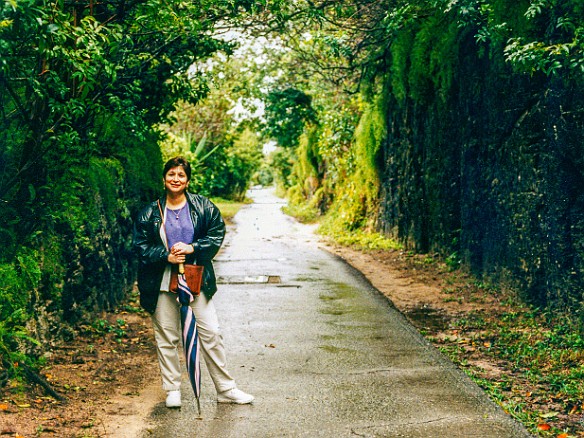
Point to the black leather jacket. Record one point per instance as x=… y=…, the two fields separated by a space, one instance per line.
x=153 y=255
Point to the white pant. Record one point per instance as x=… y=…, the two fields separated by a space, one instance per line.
x=167 y=332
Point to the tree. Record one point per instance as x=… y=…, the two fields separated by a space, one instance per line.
x=287 y=114
x=83 y=86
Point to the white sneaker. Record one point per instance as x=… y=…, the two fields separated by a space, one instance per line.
x=173 y=399
x=235 y=396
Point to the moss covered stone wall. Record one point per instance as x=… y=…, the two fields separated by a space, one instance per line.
x=485 y=164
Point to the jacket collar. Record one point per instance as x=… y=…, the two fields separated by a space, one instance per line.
x=162 y=200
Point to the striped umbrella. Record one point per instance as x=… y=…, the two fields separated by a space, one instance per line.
x=190 y=336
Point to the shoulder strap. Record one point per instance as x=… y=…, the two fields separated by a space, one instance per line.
x=163 y=224
x=160 y=210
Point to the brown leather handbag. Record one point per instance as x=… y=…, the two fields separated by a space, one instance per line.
x=193 y=275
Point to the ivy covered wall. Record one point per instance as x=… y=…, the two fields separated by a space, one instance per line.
x=483 y=162
x=464 y=137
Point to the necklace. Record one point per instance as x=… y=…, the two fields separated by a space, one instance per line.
x=177 y=212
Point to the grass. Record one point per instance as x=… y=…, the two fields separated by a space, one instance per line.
x=303 y=213
x=229 y=208
x=540 y=360
x=363 y=240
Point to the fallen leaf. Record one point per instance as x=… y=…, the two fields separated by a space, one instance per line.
x=562 y=435
x=24 y=405
x=544 y=426
x=3 y=406
x=270 y=346
x=549 y=415
x=574 y=409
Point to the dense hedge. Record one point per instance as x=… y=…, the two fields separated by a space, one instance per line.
x=84 y=87
x=67 y=254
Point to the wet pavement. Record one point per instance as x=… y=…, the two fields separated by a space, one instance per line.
x=323 y=352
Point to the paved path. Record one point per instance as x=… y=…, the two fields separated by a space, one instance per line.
x=324 y=353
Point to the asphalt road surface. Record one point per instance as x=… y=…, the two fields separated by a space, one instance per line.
x=323 y=352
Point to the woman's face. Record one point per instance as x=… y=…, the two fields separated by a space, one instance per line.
x=175 y=180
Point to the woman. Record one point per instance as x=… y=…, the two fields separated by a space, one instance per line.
x=182 y=227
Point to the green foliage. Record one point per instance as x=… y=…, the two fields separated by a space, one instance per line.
x=223 y=161
x=19 y=280
x=355 y=203
x=559 y=48
x=282 y=161
x=321 y=161
x=361 y=239
x=305 y=194
x=218 y=136
x=369 y=136
x=299 y=208
x=82 y=93
x=101 y=327
x=463 y=142
x=229 y=172
x=545 y=352
x=288 y=111
x=399 y=69
x=264 y=176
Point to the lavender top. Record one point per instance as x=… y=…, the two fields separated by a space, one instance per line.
x=181 y=229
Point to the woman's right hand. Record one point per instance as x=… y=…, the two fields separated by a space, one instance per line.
x=175 y=259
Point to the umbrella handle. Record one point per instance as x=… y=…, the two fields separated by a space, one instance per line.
x=181 y=268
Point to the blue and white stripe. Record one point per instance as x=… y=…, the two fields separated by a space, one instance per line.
x=190 y=335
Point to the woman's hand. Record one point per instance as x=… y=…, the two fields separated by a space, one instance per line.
x=181 y=249
x=175 y=259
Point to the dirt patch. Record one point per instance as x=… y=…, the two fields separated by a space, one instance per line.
x=107 y=376
x=418 y=285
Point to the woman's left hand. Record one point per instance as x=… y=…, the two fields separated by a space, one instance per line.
x=181 y=248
